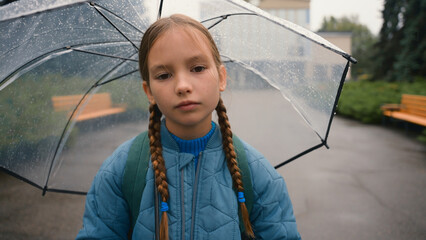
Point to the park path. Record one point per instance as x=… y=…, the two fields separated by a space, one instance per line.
x=370 y=184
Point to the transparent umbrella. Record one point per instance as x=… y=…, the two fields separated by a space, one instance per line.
x=70 y=90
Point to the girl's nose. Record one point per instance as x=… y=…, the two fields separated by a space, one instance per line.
x=183 y=85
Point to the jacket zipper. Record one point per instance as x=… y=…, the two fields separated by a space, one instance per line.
x=194 y=195
x=182 y=197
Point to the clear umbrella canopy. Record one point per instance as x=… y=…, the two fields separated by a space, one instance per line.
x=70 y=90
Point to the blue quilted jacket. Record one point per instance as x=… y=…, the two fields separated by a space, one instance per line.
x=202 y=203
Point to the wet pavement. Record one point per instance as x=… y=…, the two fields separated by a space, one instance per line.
x=370 y=184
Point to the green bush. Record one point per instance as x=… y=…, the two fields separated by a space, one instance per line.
x=361 y=100
x=28 y=117
x=26 y=110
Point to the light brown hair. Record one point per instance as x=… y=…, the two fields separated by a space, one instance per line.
x=151 y=35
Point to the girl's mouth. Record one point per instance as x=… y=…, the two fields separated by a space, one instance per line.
x=187 y=105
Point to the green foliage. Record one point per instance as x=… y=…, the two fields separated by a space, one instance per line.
x=361 y=100
x=401 y=48
x=128 y=92
x=422 y=136
x=24 y=110
x=362 y=41
x=28 y=117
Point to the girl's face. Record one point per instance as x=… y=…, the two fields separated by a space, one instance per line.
x=184 y=81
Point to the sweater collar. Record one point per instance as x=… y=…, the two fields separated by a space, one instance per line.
x=194 y=146
x=168 y=141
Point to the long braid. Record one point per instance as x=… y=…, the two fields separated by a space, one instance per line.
x=231 y=159
x=158 y=164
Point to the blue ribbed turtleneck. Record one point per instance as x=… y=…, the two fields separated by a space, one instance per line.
x=194 y=146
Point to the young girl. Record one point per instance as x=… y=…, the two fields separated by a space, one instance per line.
x=193 y=161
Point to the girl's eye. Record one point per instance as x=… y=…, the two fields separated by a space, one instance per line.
x=198 y=69
x=163 y=76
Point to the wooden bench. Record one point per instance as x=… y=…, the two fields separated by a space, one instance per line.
x=412 y=109
x=99 y=105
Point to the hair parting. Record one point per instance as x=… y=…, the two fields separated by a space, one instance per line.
x=165 y=24
x=231 y=159
x=158 y=164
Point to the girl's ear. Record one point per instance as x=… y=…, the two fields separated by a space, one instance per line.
x=148 y=93
x=222 y=78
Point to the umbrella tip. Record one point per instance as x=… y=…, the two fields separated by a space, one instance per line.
x=353 y=60
x=350 y=58
x=326 y=145
x=324 y=142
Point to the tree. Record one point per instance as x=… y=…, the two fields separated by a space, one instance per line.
x=362 y=41
x=402 y=44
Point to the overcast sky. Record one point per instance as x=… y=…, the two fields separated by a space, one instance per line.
x=368 y=12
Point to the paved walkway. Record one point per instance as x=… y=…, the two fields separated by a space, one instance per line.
x=371 y=184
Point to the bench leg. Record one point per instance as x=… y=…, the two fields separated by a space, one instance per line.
x=384 y=120
x=406 y=127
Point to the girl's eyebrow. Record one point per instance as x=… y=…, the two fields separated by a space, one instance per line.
x=157 y=68
x=196 y=58
x=200 y=57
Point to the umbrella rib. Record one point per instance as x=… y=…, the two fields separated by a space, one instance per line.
x=45 y=189
x=104 y=55
x=6 y=81
x=68 y=124
x=97 y=83
x=223 y=17
x=37 y=12
x=339 y=90
x=20 y=178
x=300 y=154
x=130 y=24
x=118 y=77
x=227 y=15
x=77 y=45
x=9 y=79
x=66 y=191
x=248 y=67
x=343 y=54
x=113 y=25
x=160 y=10
x=323 y=141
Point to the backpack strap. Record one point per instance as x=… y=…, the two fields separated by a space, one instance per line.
x=134 y=179
x=246 y=177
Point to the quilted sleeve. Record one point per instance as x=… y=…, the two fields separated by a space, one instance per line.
x=272 y=214
x=106 y=213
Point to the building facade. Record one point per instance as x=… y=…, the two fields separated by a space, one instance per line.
x=298 y=12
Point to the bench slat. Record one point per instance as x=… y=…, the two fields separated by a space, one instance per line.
x=97 y=105
x=412 y=109
x=98 y=114
x=409 y=117
x=419 y=112
x=411 y=96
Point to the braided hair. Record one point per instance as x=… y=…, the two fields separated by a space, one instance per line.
x=231 y=160
x=148 y=40
x=158 y=163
